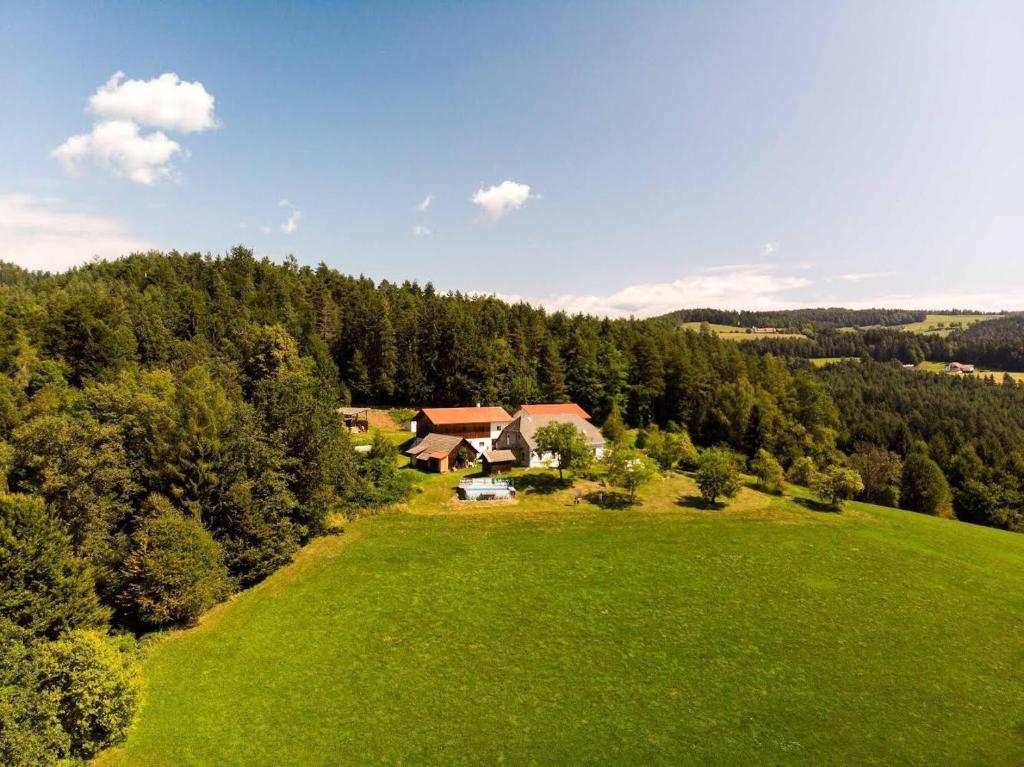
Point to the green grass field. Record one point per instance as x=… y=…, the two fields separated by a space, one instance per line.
x=939 y=367
x=820 y=362
x=942 y=324
x=536 y=632
x=733 y=333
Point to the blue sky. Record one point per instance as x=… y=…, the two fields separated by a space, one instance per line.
x=676 y=154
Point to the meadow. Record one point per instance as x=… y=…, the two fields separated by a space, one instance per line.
x=735 y=333
x=766 y=631
x=943 y=324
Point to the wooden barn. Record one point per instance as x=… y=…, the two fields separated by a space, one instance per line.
x=441 y=453
x=479 y=426
x=498 y=461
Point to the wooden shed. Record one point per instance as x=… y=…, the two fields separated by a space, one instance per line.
x=498 y=461
x=441 y=453
x=357 y=419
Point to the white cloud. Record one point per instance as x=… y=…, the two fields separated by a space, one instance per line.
x=749 y=286
x=119 y=147
x=499 y=200
x=770 y=248
x=862 y=276
x=1010 y=299
x=40 y=235
x=425 y=202
x=116 y=142
x=163 y=102
x=422 y=231
x=292 y=222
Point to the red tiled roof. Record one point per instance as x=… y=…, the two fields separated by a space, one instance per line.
x=449 y=415
x=560 y=408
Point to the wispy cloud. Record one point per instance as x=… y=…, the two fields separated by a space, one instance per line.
x=500 y=199
x=425 y=202
x=863 y=276
x=117 y=143
x=422 y=231
x=292 y=222
x=43 y=235
x=749 y=286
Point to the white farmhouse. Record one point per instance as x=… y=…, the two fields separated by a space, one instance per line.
x=520 y=437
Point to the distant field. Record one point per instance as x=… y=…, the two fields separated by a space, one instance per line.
x=538 y=632
x=821 y=362
x=938 y=367
x=942 y=324
x=733 y=333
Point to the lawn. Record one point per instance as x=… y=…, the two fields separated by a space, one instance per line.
x=538 y=632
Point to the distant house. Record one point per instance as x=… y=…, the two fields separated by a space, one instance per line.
x=357 y=419
x=441 y=453
x=763 y=331
x=479 y=426
x=556 y=408
x=520 y=437
x=958 y=367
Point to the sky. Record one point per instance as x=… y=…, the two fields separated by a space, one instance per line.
x=616 y=158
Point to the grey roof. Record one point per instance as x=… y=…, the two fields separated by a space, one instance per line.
x=499 y=456
x=527 y=425
x=353 y=410
x=436 y=443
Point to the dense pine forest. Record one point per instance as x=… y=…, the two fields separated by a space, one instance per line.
x=168 y=435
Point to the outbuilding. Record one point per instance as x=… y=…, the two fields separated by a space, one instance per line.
x=357 y=419
x=498 y=461
x=441 y=453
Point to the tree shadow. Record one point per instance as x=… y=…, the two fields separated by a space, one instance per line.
x=698 y=502
x=609 y=499
x=545 y=484
x=813 y=505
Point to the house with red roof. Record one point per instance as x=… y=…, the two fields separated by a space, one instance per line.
x=479 y=426
x=556 y=408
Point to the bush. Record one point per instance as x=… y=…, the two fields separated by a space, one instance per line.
x=174 y=572
x=923 y=486
x=717 y=474
x=803 y=471
x=94 y=683
x=669 y=449
x=768 y=471
x=614 y=430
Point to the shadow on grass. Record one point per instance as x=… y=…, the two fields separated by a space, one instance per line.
x=810 y=503
x=698 y=502
x=545 y=484
x=609 y=500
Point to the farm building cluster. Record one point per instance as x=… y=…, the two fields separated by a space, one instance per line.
x=449 y=438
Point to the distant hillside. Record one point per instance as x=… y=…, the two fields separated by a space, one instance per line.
x=798 y=319
x=1008 y=328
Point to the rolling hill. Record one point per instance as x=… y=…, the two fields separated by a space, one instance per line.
x=767 y=632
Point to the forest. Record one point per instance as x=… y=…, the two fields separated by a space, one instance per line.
x=168 y=436
x=798 y=319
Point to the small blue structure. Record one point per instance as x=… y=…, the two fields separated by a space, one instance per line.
x=486 y=489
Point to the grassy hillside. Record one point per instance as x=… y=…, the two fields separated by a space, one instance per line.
x=767 y=632
x=734 y=333
x=942 y=324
